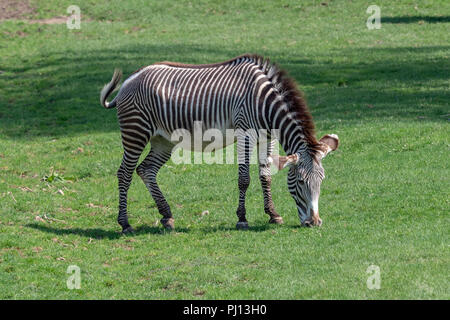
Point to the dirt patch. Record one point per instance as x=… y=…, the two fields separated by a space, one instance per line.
x=21 y=10
x=14 y=9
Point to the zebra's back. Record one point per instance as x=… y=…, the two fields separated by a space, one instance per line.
x=172 y=96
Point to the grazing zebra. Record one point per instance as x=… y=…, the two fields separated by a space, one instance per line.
x=247 y=92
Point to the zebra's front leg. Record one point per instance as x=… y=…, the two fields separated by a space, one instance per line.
x=159 y=154
x=265 y=160
x=266 y=181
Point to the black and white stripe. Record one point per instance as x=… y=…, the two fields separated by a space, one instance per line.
x=244 y=93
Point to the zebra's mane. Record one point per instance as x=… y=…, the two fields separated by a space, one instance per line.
x=293 y=97
x=284 y=84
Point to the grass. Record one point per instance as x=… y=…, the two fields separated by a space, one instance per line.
x=384 y=202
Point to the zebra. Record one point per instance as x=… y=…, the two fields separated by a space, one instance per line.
x=246 y=92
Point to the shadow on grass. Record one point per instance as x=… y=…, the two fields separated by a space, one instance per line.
x=58 y=94
x=97 y=233
x=94 y=233
x=414 y=19
x=251 y=228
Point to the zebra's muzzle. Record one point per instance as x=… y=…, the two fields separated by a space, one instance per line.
x=312 y=223
x=313 y=220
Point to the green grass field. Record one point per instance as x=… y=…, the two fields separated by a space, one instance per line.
x=384 y=202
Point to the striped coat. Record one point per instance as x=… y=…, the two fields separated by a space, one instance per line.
x=244 y=93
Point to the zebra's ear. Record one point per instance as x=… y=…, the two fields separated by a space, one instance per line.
x=330 y=143
x=282 y=162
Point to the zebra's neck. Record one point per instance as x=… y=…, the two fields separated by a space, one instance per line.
x=288 y=129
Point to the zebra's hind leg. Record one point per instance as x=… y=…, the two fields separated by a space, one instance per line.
x=159 y=154
x=265 y=151
x=125 y=175
x=243 y=183
x=244 y=147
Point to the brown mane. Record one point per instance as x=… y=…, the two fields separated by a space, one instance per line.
x=285 y=85
x=293 y=97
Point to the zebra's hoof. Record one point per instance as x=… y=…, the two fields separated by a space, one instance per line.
x=128 y=230
x=276 y=220
x=242 y=225
x=168 y=223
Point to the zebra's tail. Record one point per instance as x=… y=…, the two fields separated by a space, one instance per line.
x=109 y=88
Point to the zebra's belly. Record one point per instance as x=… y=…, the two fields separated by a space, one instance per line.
x=200 y=138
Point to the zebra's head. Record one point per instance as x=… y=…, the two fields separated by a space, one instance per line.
x=305 y=177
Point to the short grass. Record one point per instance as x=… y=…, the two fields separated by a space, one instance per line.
x=384 y=202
